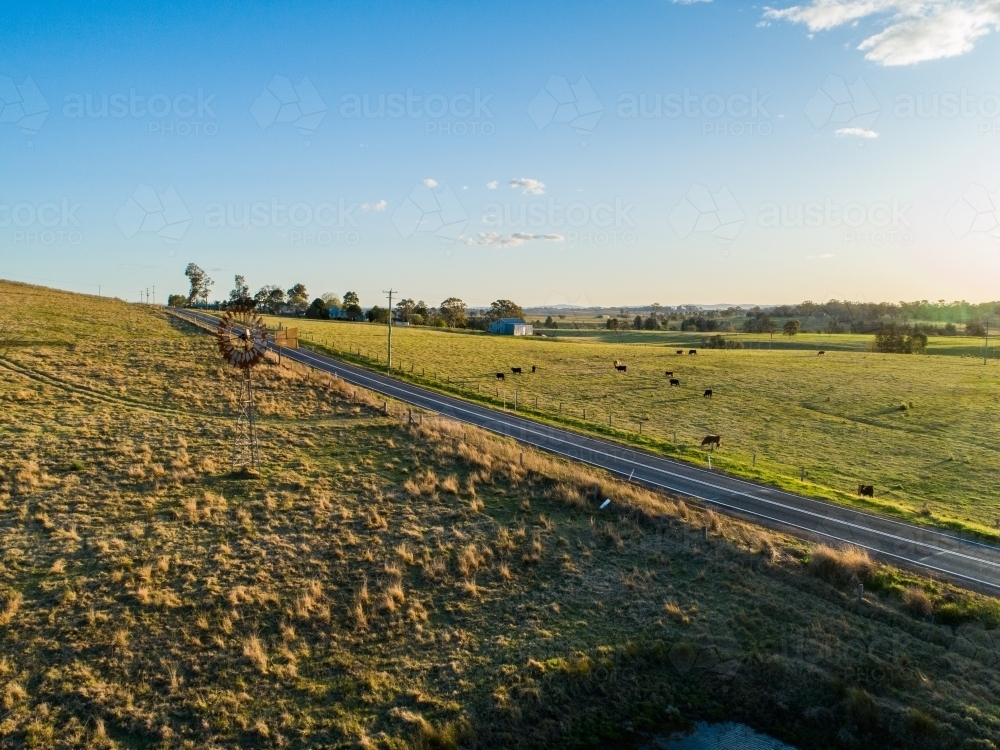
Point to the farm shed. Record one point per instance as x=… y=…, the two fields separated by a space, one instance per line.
x=511 y=327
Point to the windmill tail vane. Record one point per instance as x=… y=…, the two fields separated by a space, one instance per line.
x=242 y=339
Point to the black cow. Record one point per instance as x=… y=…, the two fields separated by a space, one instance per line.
x=674 y=381
x=693 y=351
x=532 y=368
x=713 y=440
x=680 y=351
x=820 y=353
x=499 y=376
x=866 y=490
x=515 y=370
x=669 y=373
x=708 y=393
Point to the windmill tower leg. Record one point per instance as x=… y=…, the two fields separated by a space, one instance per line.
x=246 y=452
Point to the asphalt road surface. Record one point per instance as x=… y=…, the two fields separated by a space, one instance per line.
x=964 y=561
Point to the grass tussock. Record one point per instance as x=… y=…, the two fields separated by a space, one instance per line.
x=840 y=565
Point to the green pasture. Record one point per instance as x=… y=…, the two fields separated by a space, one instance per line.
x=922 y=429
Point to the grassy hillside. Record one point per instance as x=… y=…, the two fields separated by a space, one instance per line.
x=386 y=585
x=922 y=429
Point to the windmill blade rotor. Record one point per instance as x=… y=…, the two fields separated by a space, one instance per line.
x=242 y=337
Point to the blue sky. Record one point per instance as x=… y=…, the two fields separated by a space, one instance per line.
x=671 y=152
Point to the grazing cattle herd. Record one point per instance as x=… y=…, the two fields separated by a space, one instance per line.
x=712 y=441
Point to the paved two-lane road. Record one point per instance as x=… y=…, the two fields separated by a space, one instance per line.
x=964 y=561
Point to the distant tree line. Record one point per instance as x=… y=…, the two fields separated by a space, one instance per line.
x=835 y=316
x=273 y=300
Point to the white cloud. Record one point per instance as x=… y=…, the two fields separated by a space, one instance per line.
x=430 y=183
x=826 y=255
x=516 y=239
x=493 y=184
x=913 y=31
x=379 y=206
x=856 y=132
x=528 y=186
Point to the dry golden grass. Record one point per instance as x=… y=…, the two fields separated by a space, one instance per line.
x=845 y=565
x=388 y=585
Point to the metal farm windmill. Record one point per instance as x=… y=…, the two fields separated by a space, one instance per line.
x=242 y=338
